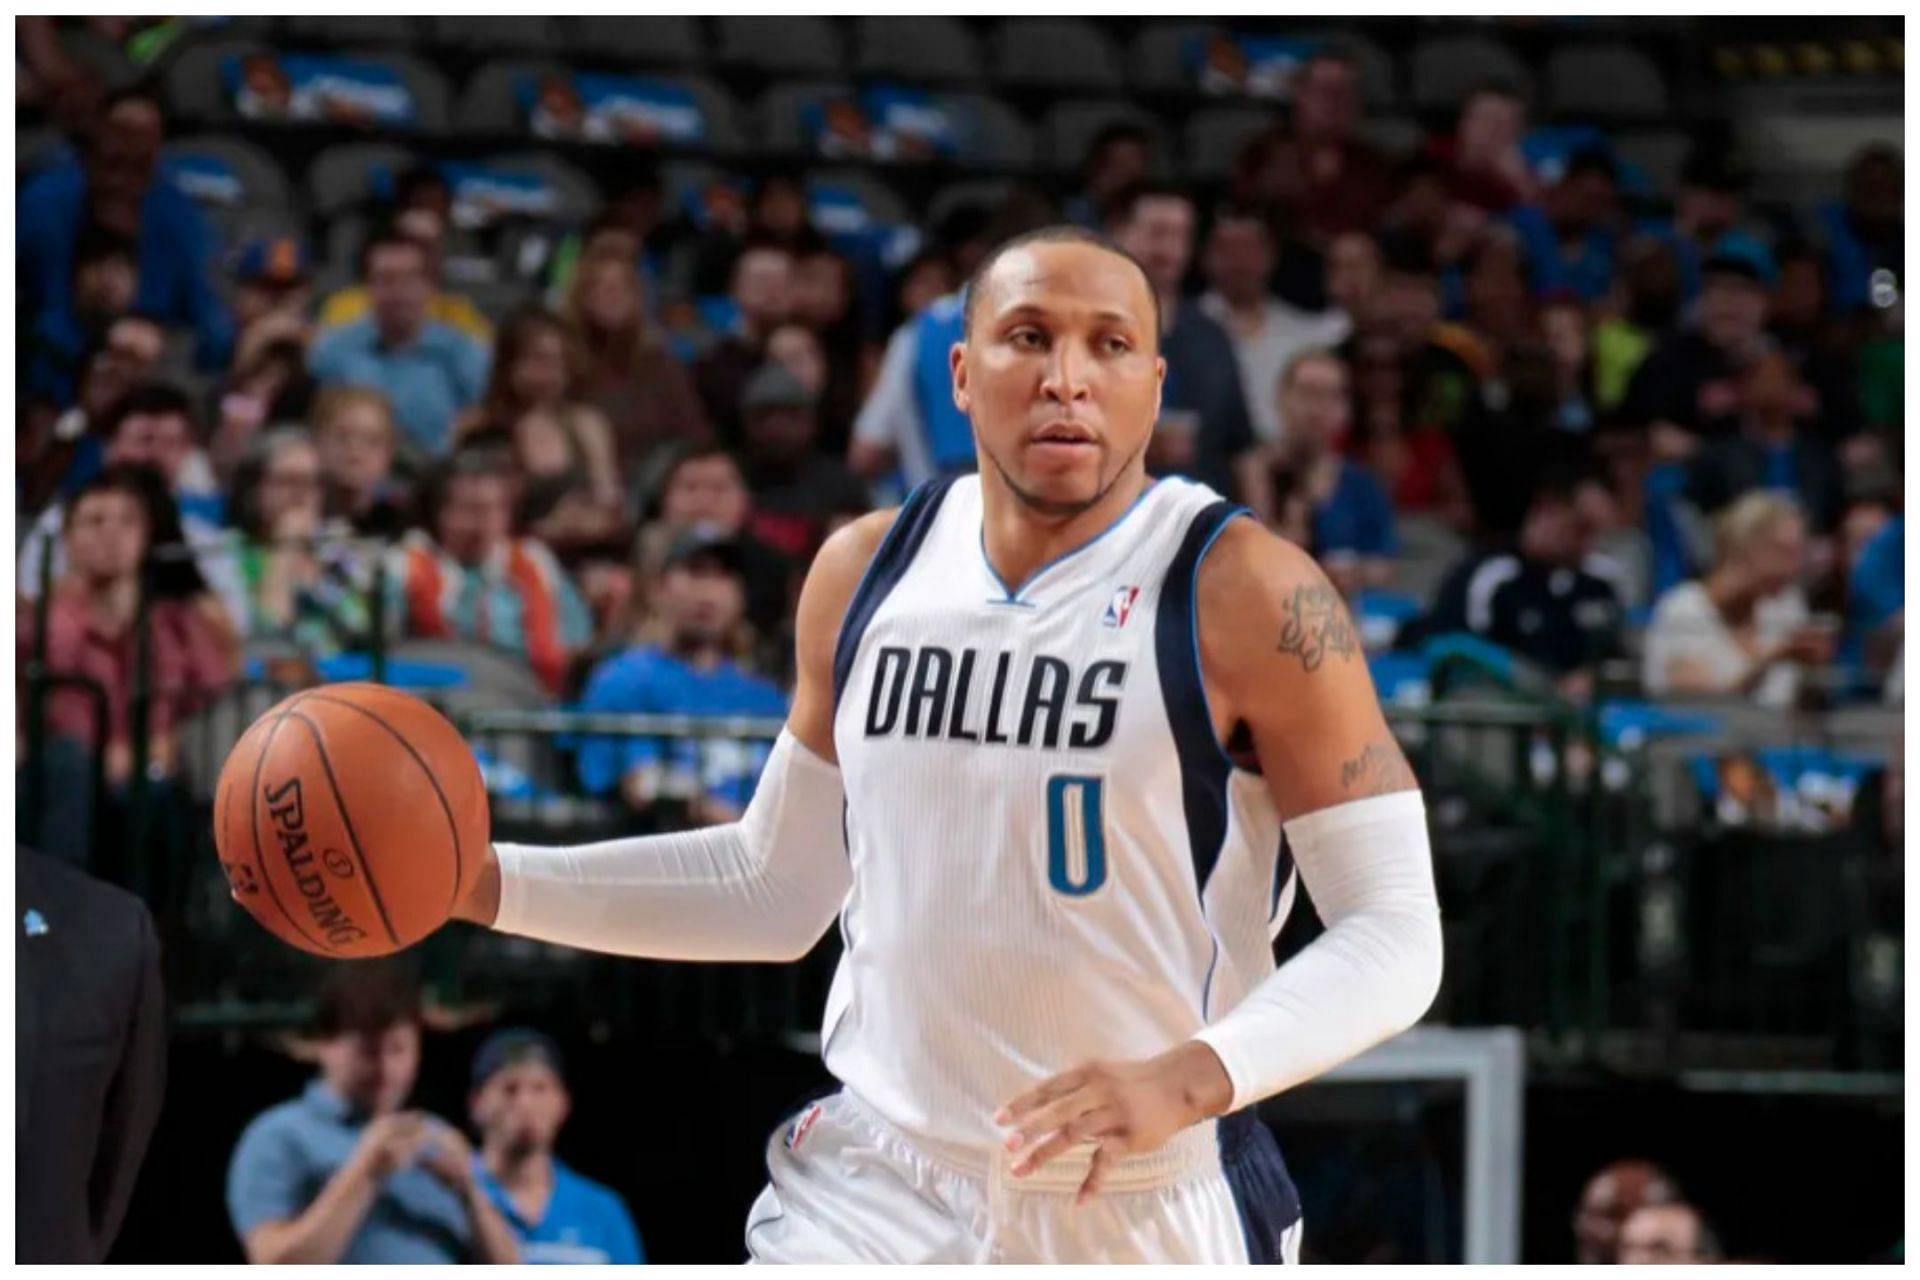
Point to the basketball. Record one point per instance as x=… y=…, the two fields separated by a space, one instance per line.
x=350 y=819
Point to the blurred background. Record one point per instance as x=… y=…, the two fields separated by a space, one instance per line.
x=524 y=363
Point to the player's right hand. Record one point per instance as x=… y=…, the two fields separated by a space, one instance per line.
x=391 y=1142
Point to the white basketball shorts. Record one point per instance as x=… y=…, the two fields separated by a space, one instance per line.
x=845 y=1186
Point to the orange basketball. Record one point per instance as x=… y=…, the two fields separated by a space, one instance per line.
x=350 y=820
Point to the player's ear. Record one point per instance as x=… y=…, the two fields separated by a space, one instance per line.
x=1159 y=384
x=957 y=361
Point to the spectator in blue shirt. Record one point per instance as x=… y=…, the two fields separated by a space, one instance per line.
x=519 y=1102
x=1877 y=597
x=1706 y=222
x=344 y=1173
x=115 y=191
x=1568 y=239
x=428 y=370
x=685 y=661
x=1349 y=513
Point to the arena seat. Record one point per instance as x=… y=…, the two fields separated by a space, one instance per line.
x=194 y=84
x=792 y=45
x=1069 y=129
x=986 y=192
x=1215 y=136
x=991 y=134
x=1378 y=82
x=649 y=41
x=348 y=29
x=780 y=117
x=1661 y=154
x=917 y=49
x=491 y=33
x=1159 y=58
x=1393 y=135
x=492 y=101
x=240 y=186
x=1610 y=81
x=1443 y=70
x=1065 y=53
x=882 y=202
x=347 y=176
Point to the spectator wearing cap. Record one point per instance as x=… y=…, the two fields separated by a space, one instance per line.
x=1318 y=171
x=423 y=203
x=1205 y=431
x=795 y=487
x=1689 y=386
x=1708 y=213
x=471 y=579
x=428 y=370
x=519 y=1102
x=117 y=187
x=687 y=657
x=704 y=489
x=1570 y=237
x=1267 y=333
x=347 y=1172
x=761 y=290
x=151 y=426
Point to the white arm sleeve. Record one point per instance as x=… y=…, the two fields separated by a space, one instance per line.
x=1368 y=867
x=763 y=888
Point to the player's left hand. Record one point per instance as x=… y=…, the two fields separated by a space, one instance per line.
x=1125 y=1108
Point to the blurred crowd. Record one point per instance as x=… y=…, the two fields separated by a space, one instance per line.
x=1491 y=395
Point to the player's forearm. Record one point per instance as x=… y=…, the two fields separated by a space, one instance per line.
x=1368 y=867
x=763 y=888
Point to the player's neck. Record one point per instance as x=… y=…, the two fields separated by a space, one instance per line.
x=1018 y=539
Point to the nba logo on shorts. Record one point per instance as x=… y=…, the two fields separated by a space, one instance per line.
x=1120 y=606
x=800 y=1127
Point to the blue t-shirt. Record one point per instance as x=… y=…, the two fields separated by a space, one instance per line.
x=288 y=1153
x=1356 y=516
x=584 y=1221
x=428 y=382
x=1588 y=273
x=1878 y=587
x=648 y=679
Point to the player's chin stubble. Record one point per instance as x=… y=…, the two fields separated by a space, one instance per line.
x=1058 y=508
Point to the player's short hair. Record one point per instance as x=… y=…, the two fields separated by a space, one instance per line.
x=366 y=999
x=1061 y=233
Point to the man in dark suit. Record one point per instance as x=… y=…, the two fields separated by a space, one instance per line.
x=90 y=1057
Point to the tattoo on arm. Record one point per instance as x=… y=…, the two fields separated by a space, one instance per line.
x=1378 y=770
x=1316 y=625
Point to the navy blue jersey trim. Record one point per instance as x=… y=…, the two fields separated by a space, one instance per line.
x=890 y=563
x=1263 y=1190
x=1204 y=766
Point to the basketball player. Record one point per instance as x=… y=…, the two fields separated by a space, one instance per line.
x=1049 y=725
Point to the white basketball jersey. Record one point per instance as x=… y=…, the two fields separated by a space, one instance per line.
x=1053 y=859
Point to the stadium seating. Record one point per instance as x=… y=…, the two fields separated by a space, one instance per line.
x=1065 y=53
x=916 y=49
x=784 y=45
x=1215 y=136
x=659 y=41
x=1443 y=70
x=1604 y=81
x=1070 y=128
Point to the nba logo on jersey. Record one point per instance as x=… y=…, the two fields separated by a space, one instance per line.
x=800 y=1126
x=1120 y=606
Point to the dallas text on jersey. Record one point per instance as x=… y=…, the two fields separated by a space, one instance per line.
x=927 y=694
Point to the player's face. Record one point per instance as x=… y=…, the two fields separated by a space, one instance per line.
x=373 y=1070
x=1060 y=373
x=521 y=1108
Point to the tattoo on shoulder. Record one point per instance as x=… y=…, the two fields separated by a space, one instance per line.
x=1316 y=625
x=1378 y=770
